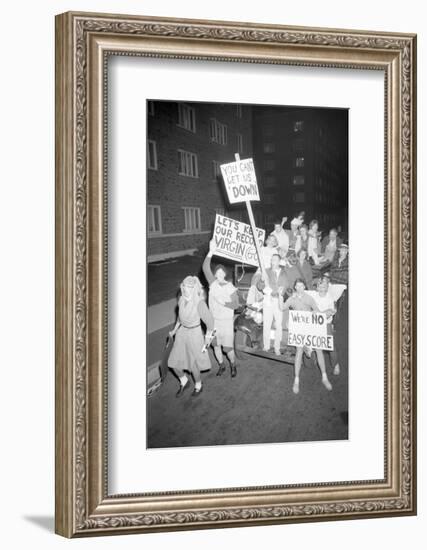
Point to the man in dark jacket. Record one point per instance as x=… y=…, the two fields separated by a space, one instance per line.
x=330 y=244
x=339 y=267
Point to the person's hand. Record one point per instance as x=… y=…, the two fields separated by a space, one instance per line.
x=284 y=219
x=171 y=334
x=267 y=291
x=212 y=246
x=280 y=290
x=220 y=301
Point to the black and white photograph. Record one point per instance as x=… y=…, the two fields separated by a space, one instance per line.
x=247 y=274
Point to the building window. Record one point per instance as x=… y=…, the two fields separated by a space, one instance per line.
x=298 y=144
x=220 y=211
x=269 y=148
x=239 y=143
x=299 y=162
x=186 y=117
x=298 y=126
x=269 y=164
x=238 y=111
x=191 y=218
x=187 y=164
x=150 y=108
x=270 y=181
x=269 y=198
x=268 y=131
x=298 y=180
x=216 y=169
x=218 y=132
x=299 y=197
x=152 y=155
x=154 y=220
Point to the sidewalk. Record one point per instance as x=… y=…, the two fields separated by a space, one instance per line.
x=165 y=277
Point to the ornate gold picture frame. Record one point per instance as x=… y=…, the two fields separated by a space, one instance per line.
x=83 y=44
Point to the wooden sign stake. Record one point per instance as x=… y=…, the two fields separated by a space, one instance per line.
x=253 y=227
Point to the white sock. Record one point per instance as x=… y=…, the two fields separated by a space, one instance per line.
x=324 y=376
x=197 y=386
x=296 y=380
x=183 y=380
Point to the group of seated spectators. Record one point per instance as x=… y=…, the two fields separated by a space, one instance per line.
x=304 y=254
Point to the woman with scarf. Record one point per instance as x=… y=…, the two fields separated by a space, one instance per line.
x=189 y=349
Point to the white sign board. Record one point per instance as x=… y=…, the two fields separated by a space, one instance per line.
x=309 y=328
x=234 y=240
x=240 y=181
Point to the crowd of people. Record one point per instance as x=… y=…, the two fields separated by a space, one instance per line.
x=303 y=248
x=301 y=271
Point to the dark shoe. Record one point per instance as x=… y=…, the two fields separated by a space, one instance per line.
x=182 y=389
x=197 y=392
x=221 y=369
x=233 y=371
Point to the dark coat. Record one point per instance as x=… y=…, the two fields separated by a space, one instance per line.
x=306 y=273
x=273 y=281
x=339 y=273
x=325 y=242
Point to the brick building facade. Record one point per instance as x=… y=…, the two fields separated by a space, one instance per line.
x=187 y=142
x=300 y=157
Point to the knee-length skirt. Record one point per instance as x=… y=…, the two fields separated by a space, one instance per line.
x=187 y=353
x=224 y=335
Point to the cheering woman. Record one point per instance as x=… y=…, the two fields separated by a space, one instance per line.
x=301 y=301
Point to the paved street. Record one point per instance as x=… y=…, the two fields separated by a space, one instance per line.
x=258 y=406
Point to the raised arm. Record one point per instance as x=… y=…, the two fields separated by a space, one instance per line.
x=207 y=271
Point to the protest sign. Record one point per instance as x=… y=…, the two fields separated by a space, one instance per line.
x=240 y=181
x=309 y=328
x=234 y=240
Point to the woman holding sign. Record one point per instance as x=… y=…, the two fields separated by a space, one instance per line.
x=223 y=300
x=326 y=303
x=301 y=301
